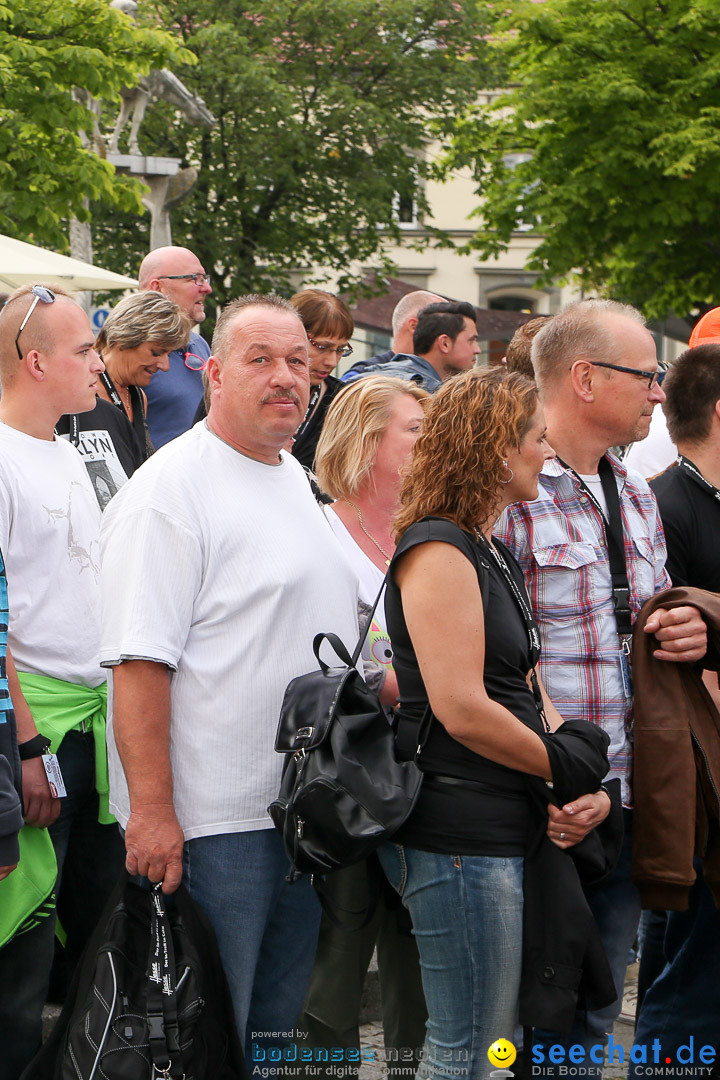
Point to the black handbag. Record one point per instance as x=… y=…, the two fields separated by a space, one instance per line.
x=343 y=790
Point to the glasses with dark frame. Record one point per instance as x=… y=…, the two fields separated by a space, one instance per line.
x=198 y=279
x=341 y=350
x=654 y=378
x=40 y=292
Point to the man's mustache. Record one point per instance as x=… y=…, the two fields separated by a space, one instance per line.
x=284 y=395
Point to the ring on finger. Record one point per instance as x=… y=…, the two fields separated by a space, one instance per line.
x=562 y=835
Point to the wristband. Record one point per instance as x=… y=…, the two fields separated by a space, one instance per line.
x=35 y=747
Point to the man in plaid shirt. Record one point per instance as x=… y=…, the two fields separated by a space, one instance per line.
x=596 y=367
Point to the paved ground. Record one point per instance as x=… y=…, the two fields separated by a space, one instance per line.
x=371 y=1035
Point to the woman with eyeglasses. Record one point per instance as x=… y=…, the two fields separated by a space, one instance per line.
x=134 y=342
x=329 y=327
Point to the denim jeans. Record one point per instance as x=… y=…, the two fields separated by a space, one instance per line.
x=467 y=920
x=684 y=999
x=266 y=928
x=615 y=903
x=331 y=1014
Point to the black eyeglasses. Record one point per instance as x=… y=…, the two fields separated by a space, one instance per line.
x=341 y=350
x=654 y=378
x=40 y=292
x=195 y=362
x=199 y=279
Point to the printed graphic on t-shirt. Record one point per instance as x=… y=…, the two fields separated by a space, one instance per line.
x=102 y=463
x=87 y=558
x=380 y=648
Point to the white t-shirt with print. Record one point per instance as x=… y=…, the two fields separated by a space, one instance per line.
x=49 y=536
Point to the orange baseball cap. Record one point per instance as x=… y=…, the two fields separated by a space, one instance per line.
x=707 y=330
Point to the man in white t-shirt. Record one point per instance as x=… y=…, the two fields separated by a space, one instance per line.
x=50 y=541
x=218 y=569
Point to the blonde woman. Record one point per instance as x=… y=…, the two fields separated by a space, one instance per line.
x=367 y=438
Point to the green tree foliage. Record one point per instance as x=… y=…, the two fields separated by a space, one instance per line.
x=47 y=48
x=324 y=108
x=607 y=144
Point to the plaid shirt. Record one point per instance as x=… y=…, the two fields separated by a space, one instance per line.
x=559 y=541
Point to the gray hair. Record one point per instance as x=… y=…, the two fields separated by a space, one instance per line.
x=410 y=305
x=221 y=337
x=145 y=316
x=579 y=331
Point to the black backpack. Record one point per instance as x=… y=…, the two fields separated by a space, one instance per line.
x=149 y=998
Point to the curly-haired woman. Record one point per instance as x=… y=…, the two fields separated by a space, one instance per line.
x=465 y=641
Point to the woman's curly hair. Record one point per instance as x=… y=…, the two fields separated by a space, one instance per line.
x=457 y=470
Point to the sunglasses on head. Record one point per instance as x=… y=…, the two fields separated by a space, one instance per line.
x=40 y=292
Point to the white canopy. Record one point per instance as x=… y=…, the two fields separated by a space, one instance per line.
x=26 y=264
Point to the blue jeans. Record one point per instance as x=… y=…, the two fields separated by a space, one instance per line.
x=684 y=999
x=467 y=920
x=615 y=903
x=266 y=928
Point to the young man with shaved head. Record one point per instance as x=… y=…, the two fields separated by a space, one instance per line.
x=50 y=540
x=174 y=395
x=218 y=571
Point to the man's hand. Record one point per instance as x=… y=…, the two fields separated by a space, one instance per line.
x=154 y=845
x=576 y=819
x=39 y=806
x=681 y=632
x=5 y=870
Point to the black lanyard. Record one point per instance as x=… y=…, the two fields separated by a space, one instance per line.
x=530 y=625
x=112 y=392
x=314 y=398
x=615 y=542
x=117 y=401
x=74 y=433
x=692 y=470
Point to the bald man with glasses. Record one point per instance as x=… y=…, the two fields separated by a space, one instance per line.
x=174 y=395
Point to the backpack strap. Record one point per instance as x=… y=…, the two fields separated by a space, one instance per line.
x=162 y=1013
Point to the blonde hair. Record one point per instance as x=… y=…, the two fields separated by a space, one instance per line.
x=355 y=423
x=457 y=469
x=579 y=331
x=145 y=316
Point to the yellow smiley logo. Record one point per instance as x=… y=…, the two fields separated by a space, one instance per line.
x=502 y=1053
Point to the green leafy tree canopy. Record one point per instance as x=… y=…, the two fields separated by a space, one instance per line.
x=47 y=49
x=324 y=109
x=606 y=142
